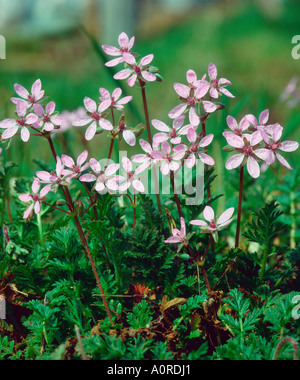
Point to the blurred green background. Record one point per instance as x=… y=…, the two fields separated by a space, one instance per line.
x=249 y=41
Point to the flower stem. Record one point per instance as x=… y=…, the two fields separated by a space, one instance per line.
x=146 y=111
x=82 y=236
x=175 y=195
x=282 y=343
x=134 y=213
x=238 y=227
x=209 y=243
x=205 y=151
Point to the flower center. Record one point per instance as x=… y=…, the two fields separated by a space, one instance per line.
x=96 y=116
x=248 y=150
x=191 y=101
x=122 y=125
x=194 y=148
x=46 y=119
x=213 y=224
x=21 y=122
x=31 y=98
x=35 y=197
x=76 y=168
x=137 y=69
x=173 y=133
x=215 y=83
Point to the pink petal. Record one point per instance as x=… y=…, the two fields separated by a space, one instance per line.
x=289 y=146
x=234 y=161
x=21 y=108
x=129 y=137
x=81 y=122
x=232 y=123
x=132 y=80
x=190 y=161
x=112 y=169
x=256 y=138
x=182 y=90
x=88 y=178
x=166 y=149
x=127 y=165
x=36 y=87
x=114 y=62
x=129 y=58
x=192 y=135
x=283 y=161
x=160 y=126
x=44 y=176
x=38 y=109
x=173 y=240
x=200 y=223
x=68 y=161
x=35 y=185
x=212 y=71
x=209 y=106
x=208 y=213
x=105 y=124
x=111 y=50
x=21 y=91
x=82 y=157
x=206 y=159
x=125 y=100
x=37 y=207
x=50 y=108
x=138 y=186
x=45 y=190
x=25 y=197
x=25 y=134
x=95 y=165
x=123 y=74
x=90 y=104
x=226 y=215
x=264 y=117
x=146 y=60
x=123 y=40
x=233 y=140
x=253 y=167
x=91 y=131
x=31 y=119
x=206 y=140
x=145 y=146
x=226 y=92
x=191 y=76
x=193 y=117
x=202 y=90
x=177 y=111
x=148 y=76
x=9 y=132
x=7 y=123
x=28 y=211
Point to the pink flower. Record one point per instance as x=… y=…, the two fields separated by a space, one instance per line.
x=35 y=197
x=125 y=47
x=126 y=133
x=68 y=117
x=291 y=93
x=213 y=224
x=12 y=126
x=273 y=144
x=77 y=168
x=217 y=86
x=94 y=119
x=168 y=158
x=114 y=100
x=136 y=71
x=104 y=178
x=29 y=99
x=132 y=178
x=259 y=125
x=192 y=80
x=248 y=148
x=237 y=129
x=191 y=98
x=179 y=236
x=168 y=133
x=48 y=120
x=56 y=178
x=145 y=158
x=197 y=148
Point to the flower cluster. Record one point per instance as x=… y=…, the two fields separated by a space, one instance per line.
x=255 y=141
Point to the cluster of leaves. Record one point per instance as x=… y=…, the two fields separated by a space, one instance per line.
x=160 y=305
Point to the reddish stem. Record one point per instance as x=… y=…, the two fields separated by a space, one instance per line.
x=175 y=195
x=237 y=236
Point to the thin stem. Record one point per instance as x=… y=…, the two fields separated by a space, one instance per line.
x=40 y=228
x=134 y=213
x=81 y=235
x=175 y=195
x=146 y=111
x=92 y=201
x=111 y=147
x=209 y=243
x=238 y=227
x=205 y=151
x=206 y=279
x=282 y=343
x=56 y=208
